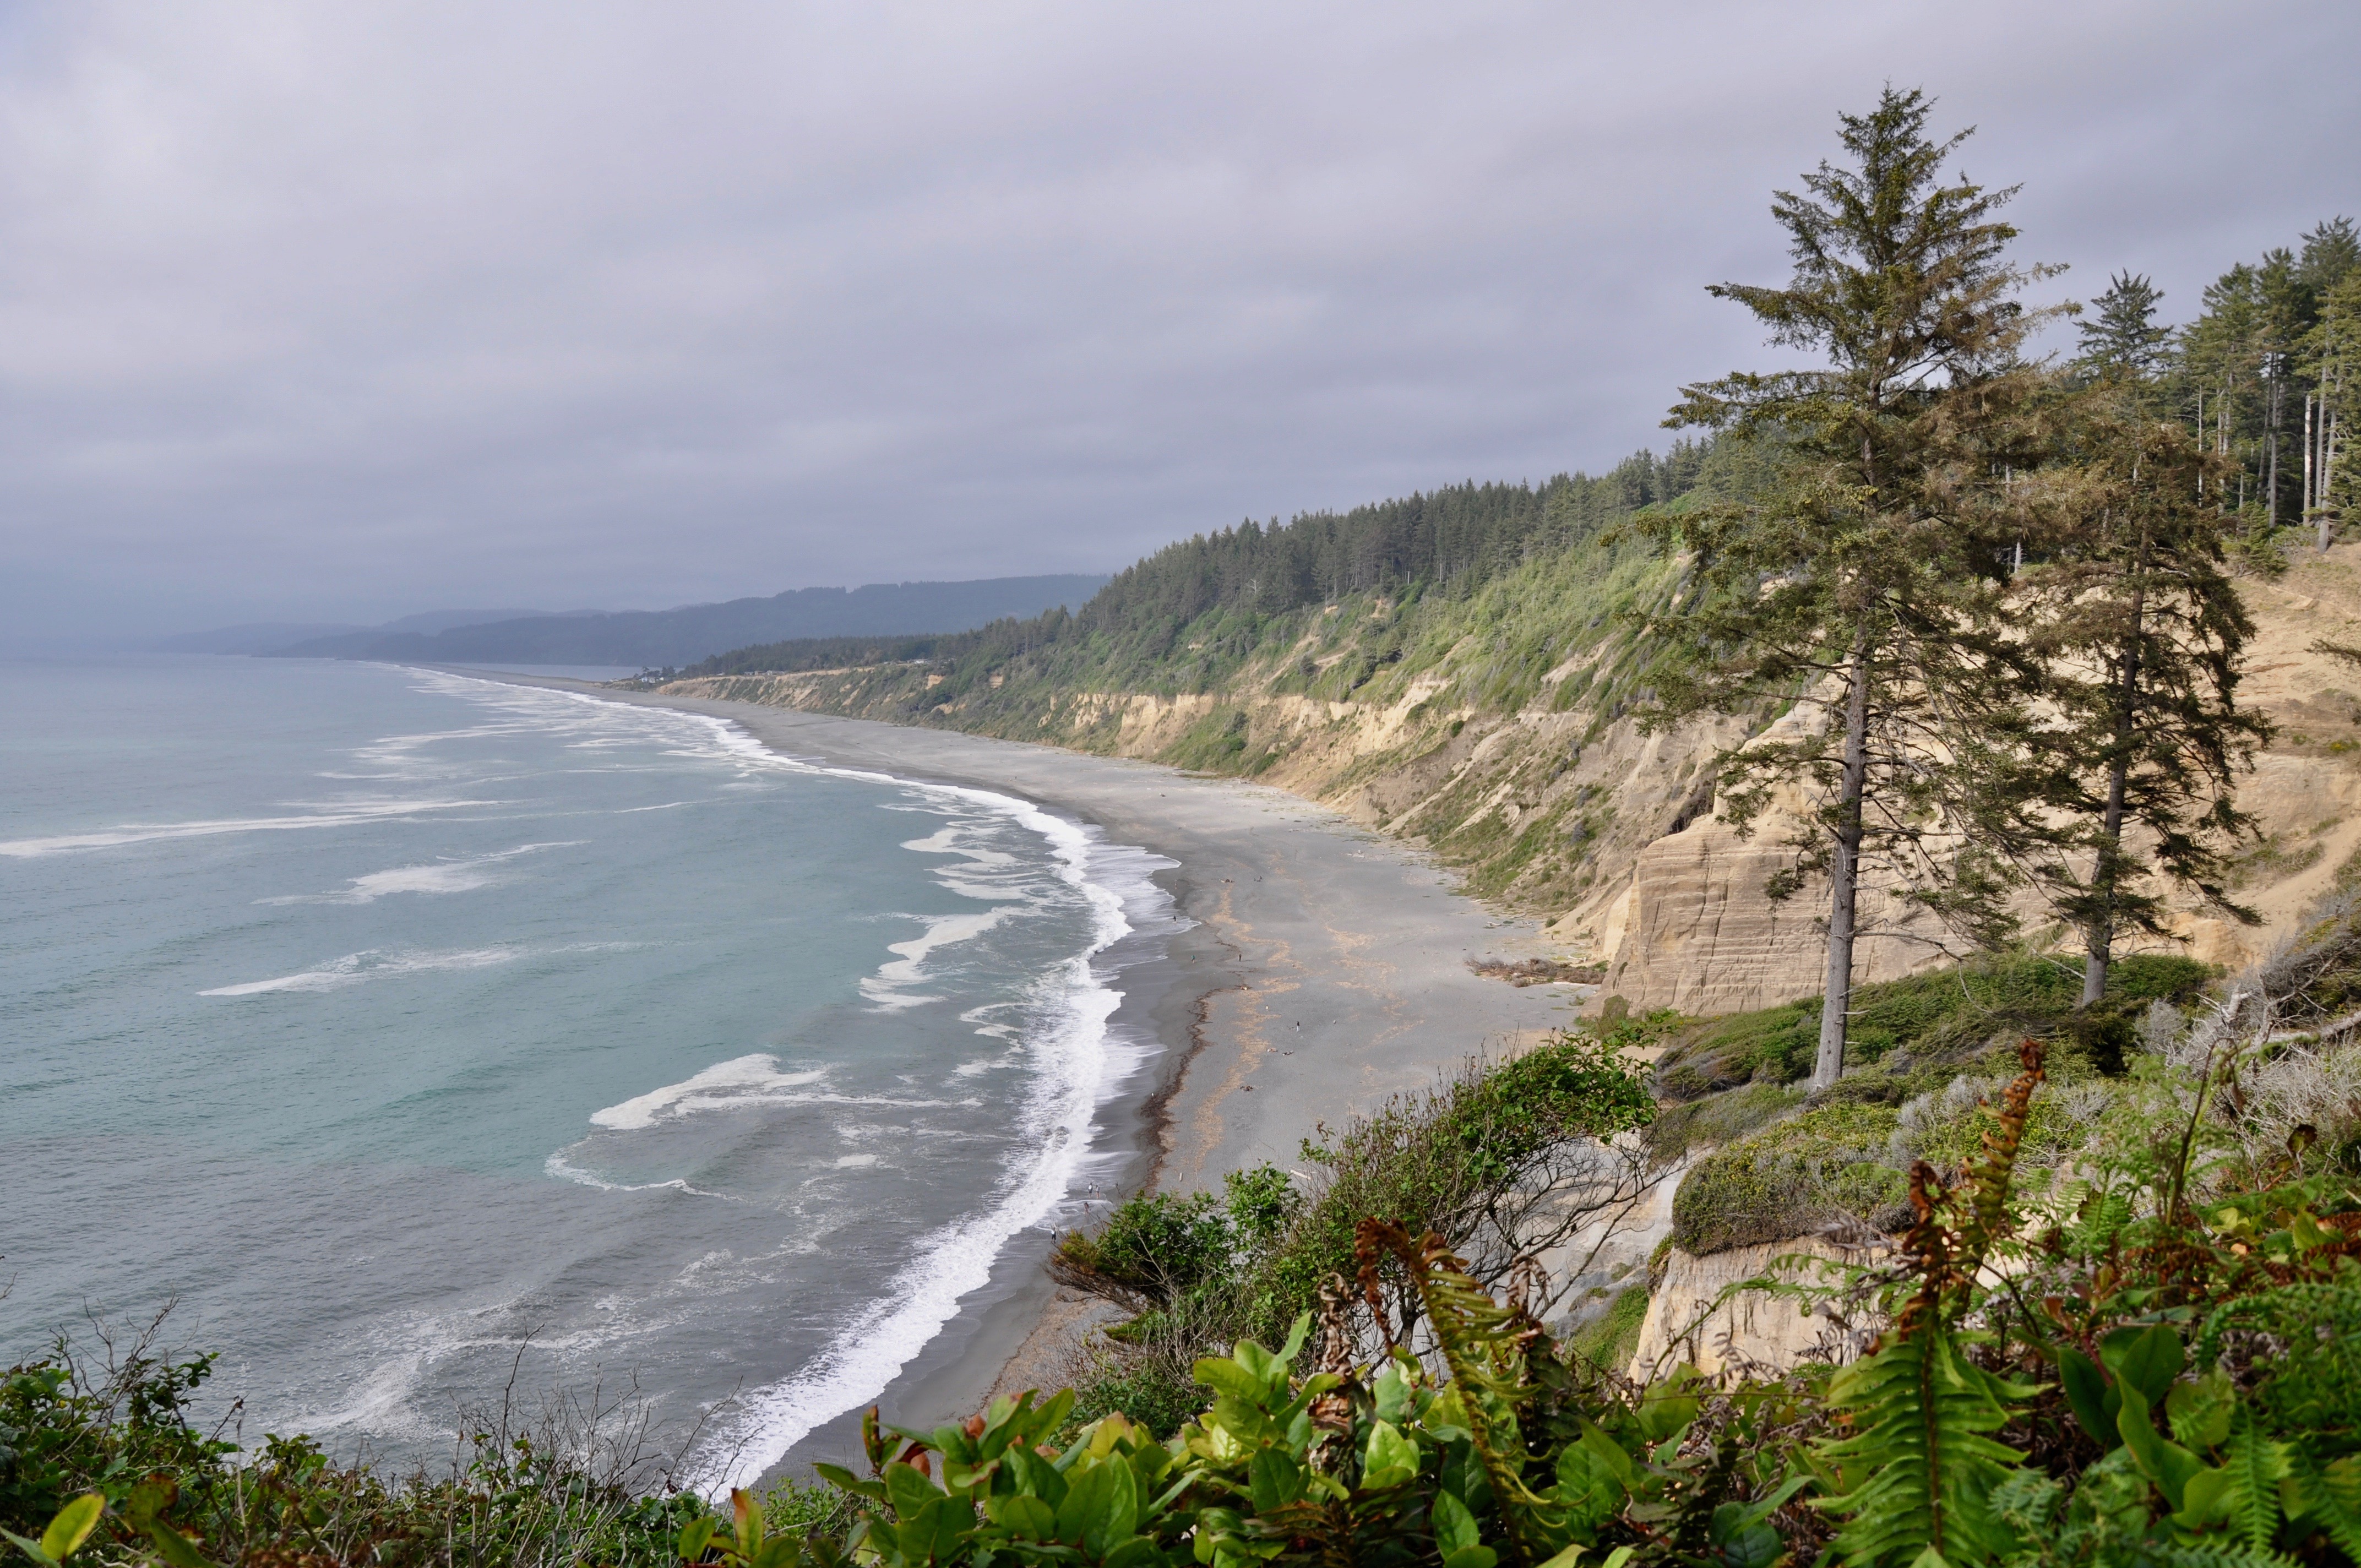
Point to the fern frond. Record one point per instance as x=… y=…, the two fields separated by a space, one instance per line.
x=2254 y=1464
x=2314 y=1378
x=1483 y=1343
x=2328 y=1497
x=1920 y=1415
x=2204 y=1554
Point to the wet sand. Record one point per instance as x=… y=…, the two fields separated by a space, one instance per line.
x=1326 y=971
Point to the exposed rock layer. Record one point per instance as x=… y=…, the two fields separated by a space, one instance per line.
x=1610 y=832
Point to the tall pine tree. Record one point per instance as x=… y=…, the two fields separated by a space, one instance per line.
x=1867 y=583
x=2119 y=786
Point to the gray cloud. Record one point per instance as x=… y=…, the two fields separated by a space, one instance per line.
x=350 y=310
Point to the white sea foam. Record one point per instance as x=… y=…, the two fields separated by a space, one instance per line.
x=738 y=1082
x=1079 y=1065
x=462 y=875
x=354 y=969
x=327 y=814
x=558 y=1165
x=888 y=987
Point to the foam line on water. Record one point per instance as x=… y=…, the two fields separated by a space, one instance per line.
x=345 y=814
x=354 y=969
x=1082 y=1066
x=887 y=989
x=734 y=1083
x=458 y=875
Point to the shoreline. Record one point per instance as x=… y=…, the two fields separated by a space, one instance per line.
x=1323 y=971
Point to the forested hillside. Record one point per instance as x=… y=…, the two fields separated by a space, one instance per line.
x=1466 y=667
x=1360 y=656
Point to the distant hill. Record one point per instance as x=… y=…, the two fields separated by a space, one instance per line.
x=255 y=637
x=277 y=636
x=692 y=632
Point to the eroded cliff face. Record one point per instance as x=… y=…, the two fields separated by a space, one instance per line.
x=1563 y=807
x=1688 y=1321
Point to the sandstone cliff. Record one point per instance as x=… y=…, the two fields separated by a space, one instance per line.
x=1546 y=796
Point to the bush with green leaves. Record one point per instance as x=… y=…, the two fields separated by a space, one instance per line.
x=1825 y=1166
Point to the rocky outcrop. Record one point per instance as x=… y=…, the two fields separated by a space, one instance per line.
x=1689 y=1320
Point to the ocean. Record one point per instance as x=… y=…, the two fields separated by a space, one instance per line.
x=411 y=1036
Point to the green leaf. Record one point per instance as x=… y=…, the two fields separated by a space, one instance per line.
x=2166 y=1463
x=695 y=1536
x=1589 y=1487
x=1296 y=1336
x=844 y=1480
x=2147 y=1359
x=1138 y=1552
x=72 y=1526
x=1472 y=1557
x=173 y=1547
x=31 y=1549
x=907 y=1490
x=1607 y=1452
x=1664 y=1410
x=1231 y=1377
x=1274 y=1480
x=2095 y=1403
x=1089 y=1505
x=1036 y=1476
x=951 y=1518
x=2200 y=1411
x=1755 y=1546
x=746 y=1510
x=1028 y=1518
x=1454 y=1526
x=1390 y=1460
x=2204 y=1500
x=779 y=1551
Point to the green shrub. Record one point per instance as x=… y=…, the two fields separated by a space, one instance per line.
x=1609 y=1341
x=1790 y=1179
x=1153 y=1248
x=1428 y=1161
x=573 y=1489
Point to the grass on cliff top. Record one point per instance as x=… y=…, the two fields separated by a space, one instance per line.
x=1921 y=1049
x=1944 y=1019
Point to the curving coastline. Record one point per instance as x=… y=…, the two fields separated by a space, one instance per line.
x=1326 y=970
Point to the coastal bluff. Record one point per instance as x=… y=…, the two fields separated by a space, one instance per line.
x=1557 y=805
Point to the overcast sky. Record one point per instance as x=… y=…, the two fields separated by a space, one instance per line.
x=344 y=312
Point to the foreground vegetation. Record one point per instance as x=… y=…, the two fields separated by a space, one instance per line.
x=2117 y=1321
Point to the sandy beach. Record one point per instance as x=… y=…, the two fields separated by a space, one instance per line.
x=1326 y=970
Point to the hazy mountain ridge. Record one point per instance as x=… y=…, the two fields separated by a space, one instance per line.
x=691 y=633
x=267 y=637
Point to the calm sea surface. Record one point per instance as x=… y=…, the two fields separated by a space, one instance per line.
x=390 y=1020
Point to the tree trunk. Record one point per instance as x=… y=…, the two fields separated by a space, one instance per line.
x=2099 y=936
x=2272 y=404
x=1844 y=874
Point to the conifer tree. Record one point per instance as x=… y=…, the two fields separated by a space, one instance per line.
x=2120 y=783
x=1866 y=583
x=2122 y=339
